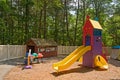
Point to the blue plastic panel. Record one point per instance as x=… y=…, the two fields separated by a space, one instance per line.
x=116 y=47
x=97 y=32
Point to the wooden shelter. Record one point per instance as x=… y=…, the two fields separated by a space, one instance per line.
x=47 y=47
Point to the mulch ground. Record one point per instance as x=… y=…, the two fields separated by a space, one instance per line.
x=44 y=71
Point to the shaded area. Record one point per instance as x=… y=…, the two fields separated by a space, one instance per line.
x=73 y=70
x=114 y=62
x=17 y=61
x=80 y=69
x=20 y=61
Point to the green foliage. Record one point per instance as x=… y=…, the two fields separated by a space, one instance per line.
x=21 y=20
x=114 y=29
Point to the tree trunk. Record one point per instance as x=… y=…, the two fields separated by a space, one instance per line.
x=45 y=27
x=40 y=25
x=67 y=23
x=26 y=20
x=77 y=19
x=56 y=28
x=84 y=11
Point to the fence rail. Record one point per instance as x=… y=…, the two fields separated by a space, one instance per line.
x=15 y=51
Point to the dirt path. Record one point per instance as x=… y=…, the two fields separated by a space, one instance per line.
x=6 y=66
x=4 y=69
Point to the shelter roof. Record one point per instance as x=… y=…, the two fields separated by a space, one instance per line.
x=43 y=42
x=95 y=24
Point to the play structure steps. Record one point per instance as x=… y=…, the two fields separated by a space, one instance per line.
x=70 y=59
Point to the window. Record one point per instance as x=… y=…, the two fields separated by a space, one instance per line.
x=42 y=49
x=97 y=32
x=50 y=49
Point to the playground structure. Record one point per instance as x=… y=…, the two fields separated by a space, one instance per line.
x=29 y=58
x=90 y=51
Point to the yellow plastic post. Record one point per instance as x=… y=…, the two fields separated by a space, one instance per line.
x=28 y=61
x=81 y=59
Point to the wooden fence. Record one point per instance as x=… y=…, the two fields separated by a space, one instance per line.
x=66 y=49
x=69 y=49
x=11 y=51
x=15 y=51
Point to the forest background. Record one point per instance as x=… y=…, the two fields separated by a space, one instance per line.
x=60 y=20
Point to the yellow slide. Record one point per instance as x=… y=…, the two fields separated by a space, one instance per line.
x=101 y=62
x=81 y=59
x=70 y=59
